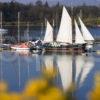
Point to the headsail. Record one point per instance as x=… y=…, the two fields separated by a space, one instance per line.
x=65 y=30
x=49 y=33
x=86 y=34
x=78 y=36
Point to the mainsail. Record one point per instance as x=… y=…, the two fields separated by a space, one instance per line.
x=86 y=34
x=78 y=36
x=65 y=30
x=49 y=33
x=64 y=64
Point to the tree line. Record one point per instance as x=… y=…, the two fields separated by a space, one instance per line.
x=36 y=13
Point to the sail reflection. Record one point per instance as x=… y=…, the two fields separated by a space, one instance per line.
x=79 y=64
x=88 y=66
x=64 y=64
x=48 y=62
x=82 y=67
x=70 y=70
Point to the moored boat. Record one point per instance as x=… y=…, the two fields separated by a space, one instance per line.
x=64 y=40
x=21 y=48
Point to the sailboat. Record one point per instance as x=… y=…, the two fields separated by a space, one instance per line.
x=86 y=35
x=21 y=47
x=64 y=41
x=64 y=37
x=48 y=43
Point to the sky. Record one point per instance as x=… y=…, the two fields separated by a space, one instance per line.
x=67 y=2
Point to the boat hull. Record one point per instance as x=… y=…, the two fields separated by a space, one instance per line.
x=21 y=50
x=72 y=49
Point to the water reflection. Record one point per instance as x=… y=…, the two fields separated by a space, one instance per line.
x=84 y=65
x=48 y=62
x=64 y=65
x=72 y=69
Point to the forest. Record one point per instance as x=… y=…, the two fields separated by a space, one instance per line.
x=38 y=12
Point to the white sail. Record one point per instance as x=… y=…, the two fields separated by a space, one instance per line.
x=78 y=36
x=48 y=62
x=64 y=64
x=80 y=61
x=89 y=64
x=65 y=30
x=86 y=34
x=49 y=33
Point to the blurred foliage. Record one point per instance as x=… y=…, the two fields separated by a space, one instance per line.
x=39 y=89
x=95 y=93
x=45 y=89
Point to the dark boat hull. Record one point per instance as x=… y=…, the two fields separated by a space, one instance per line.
x=76 y=50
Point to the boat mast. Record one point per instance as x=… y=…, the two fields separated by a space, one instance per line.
x=28 y=38
x=41 y=31
x=53 y=25
x=1 y=20
x=19 y=69
x=18 y=27
x=80 y=14
x=73 y=40
x=1 y=68
x=1 y=26
x=72 y=16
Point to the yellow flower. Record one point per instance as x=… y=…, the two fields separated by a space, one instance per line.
x=3 y=86
x=52 y=93
x=15 y=96
x=4 y=96
x=95 y=93
x=33 y=88
x=50 y=72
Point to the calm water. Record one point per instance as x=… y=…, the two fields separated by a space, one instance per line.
x=38 y=32
x=17 y=69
